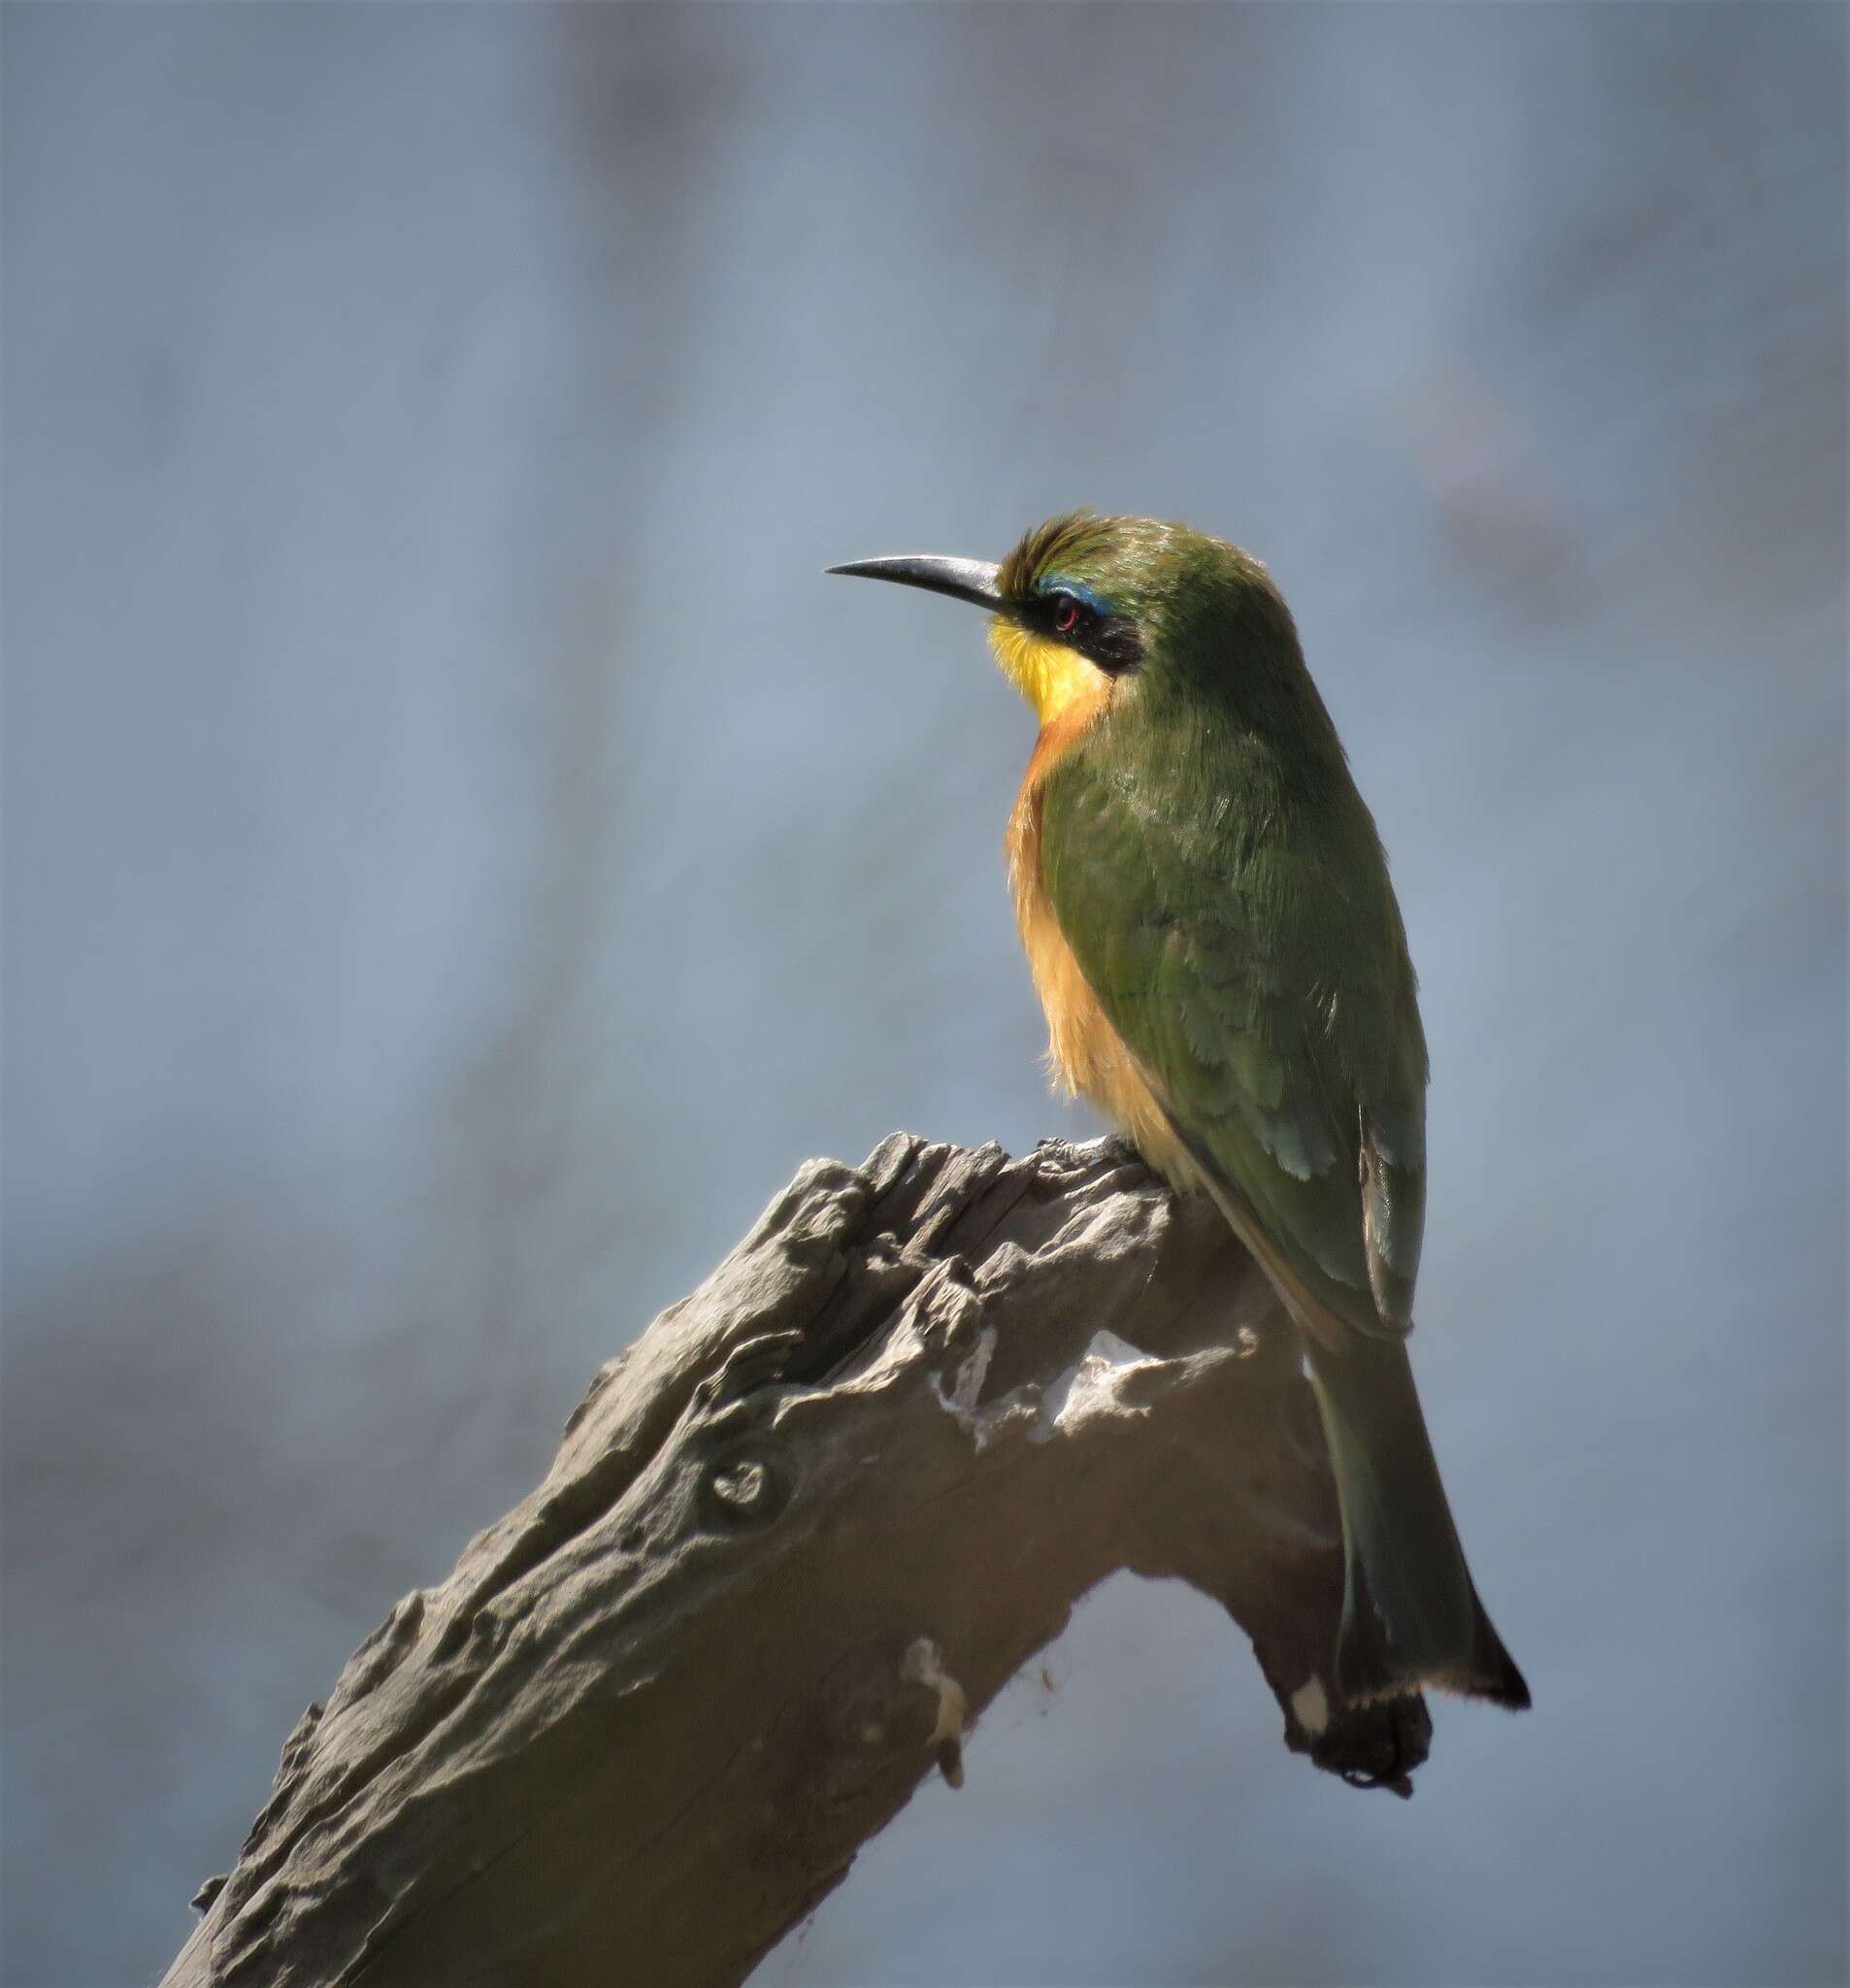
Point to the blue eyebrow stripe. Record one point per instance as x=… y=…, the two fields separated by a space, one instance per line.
x=1057 y=583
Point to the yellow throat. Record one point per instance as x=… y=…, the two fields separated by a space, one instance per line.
x=1050 y=675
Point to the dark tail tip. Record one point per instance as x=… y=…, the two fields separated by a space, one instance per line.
x=1410 y=1612
x=1495 y=1676
x=1372 y=1667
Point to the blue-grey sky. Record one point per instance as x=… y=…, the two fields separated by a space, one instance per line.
x=460 y=854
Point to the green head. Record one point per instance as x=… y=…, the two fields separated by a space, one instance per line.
x=1085 y=604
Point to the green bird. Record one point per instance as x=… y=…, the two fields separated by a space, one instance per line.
x=1206 y=910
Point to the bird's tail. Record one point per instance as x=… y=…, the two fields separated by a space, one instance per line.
x=1411 y=1614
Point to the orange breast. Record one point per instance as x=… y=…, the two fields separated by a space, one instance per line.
x=1085 y=1054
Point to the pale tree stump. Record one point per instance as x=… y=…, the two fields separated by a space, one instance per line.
x=796 y=1539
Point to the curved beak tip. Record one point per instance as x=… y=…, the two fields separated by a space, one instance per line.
x=962 y=580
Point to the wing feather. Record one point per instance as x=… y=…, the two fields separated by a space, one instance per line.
x=1263 y=986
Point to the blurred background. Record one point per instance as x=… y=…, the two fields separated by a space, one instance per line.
x=460 y=855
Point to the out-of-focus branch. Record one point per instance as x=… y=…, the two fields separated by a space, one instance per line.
x=796 y=1539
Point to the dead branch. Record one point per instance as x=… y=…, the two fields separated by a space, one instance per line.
x=797 y=1538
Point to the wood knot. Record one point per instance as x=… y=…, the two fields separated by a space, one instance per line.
x=743 y=1487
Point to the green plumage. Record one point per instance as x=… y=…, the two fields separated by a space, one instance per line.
x=1222 y=886
x=1190 y=824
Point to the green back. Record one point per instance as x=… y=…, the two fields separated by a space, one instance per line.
x=1224 y=890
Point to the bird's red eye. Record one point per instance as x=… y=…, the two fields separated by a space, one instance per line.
x=1066 y=615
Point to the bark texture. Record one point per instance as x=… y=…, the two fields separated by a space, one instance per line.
x=798 y=1535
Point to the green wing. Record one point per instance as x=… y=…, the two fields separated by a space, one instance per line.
x=1259 y=973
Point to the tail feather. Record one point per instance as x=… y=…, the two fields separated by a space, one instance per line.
x=1410 y=1613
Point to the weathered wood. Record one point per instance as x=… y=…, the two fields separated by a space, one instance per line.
x=797 y=1538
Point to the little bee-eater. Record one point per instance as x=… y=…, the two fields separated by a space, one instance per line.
x=1207 y=911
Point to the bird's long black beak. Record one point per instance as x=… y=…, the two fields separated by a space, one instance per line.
x=964 y=580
